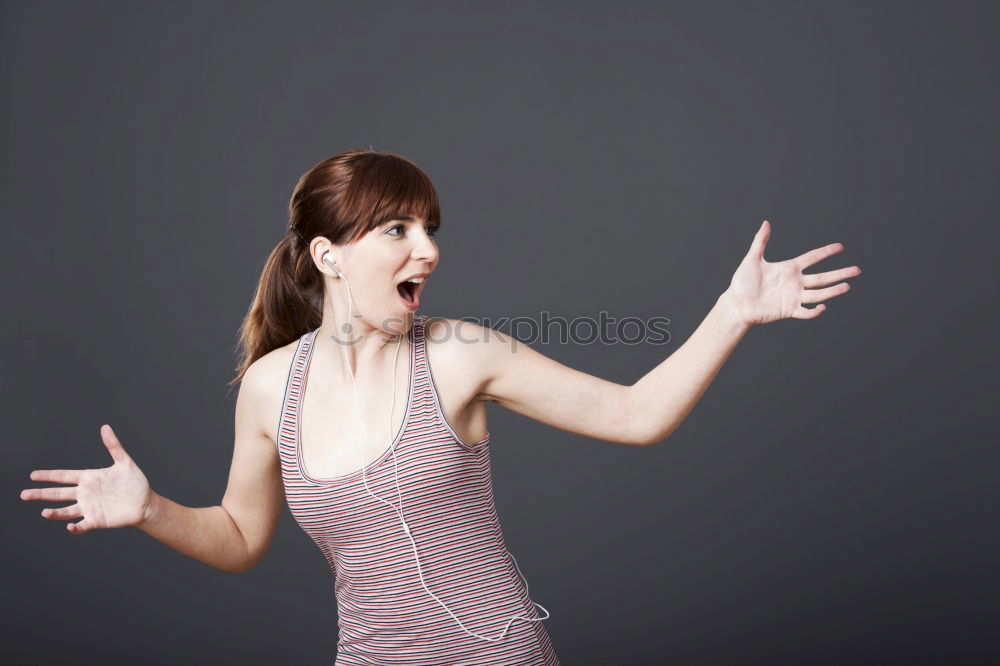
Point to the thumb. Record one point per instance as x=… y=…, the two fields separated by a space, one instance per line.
x=115 y=447
x=760 y=240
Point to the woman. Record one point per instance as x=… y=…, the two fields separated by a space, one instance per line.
x=394 y=485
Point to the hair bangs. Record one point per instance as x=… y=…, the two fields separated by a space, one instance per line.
x=388 y=187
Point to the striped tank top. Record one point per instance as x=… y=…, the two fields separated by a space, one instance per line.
x=385 y=616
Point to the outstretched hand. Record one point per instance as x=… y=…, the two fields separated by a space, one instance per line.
x=763 y=292
x=115 y=496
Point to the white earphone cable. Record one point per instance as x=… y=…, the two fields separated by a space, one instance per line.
x=399 y=510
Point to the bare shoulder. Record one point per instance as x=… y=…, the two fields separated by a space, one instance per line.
x=263 y=386
x=457 y=338
x=462 y=333
x=465 y=352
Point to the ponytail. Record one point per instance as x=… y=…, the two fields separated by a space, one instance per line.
x=287 y=303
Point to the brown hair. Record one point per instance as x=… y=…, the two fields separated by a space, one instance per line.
x=342 y=198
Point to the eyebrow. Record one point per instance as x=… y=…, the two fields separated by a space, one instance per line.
x=407 y=218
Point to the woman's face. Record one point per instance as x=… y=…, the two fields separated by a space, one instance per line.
x=380 y=263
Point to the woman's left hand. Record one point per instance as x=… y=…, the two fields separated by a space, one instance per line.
x=762 y=292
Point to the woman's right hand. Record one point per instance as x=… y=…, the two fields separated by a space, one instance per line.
x=115 y=496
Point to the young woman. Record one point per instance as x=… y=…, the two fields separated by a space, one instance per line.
x=384 y=460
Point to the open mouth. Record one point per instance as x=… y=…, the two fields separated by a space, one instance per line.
x=410 y=293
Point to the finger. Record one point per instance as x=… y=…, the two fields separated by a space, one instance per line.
x=760 y=240
x=823 y=279
x=817 y=295
x=50 y=494
x=63 y=513
x=808 y=313
x=115 y=447
x=57 y=475
x=819 y=254
x=80 y=527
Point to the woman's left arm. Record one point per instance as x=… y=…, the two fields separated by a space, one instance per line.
x=519 y=378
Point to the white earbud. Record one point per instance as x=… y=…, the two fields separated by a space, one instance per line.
x=328 y=260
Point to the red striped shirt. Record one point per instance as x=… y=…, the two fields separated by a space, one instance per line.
x=385 y=616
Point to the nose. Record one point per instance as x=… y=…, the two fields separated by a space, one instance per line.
x=425 y=249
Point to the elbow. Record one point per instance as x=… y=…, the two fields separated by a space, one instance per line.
x=244 y=566
x=634 y=439
x=249 y=557
x=653 y=436
x=643 y=427
x=654 y=439
x=252 y=559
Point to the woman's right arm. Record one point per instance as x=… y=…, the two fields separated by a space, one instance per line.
x=232 y=536
x=235 y=535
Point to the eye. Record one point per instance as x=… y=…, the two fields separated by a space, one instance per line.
x=431 y=230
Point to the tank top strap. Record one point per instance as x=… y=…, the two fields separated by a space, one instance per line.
x=420 y=372
x=292 y=400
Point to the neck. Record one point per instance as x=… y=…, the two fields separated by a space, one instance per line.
x=363 y=344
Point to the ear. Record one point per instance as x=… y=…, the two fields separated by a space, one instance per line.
x=322 y=249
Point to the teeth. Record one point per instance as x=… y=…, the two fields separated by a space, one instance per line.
x=415 y=280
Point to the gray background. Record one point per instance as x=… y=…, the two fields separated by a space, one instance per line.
x=829 y=501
